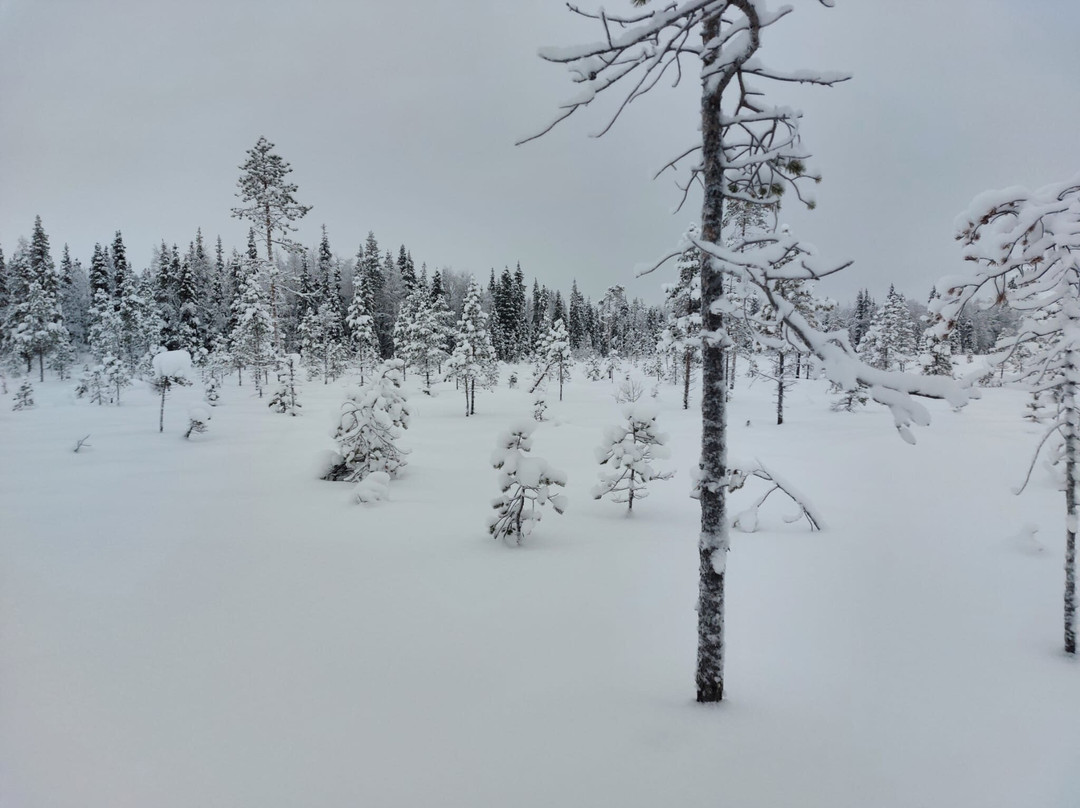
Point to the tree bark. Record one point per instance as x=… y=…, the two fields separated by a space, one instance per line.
x=41 y=366
x=1071 y=439
x=713 y=544
x=686 y=380
x=780 y=387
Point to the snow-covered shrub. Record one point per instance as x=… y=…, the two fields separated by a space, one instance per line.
x=848 y=400
x=372 y=419
x=628 y=450
x=92 y=385
x=212 y=395
x=540 y=409
x=24 y=396
x=198 y=417
x=593 y=371
x=526 y=485
x=284 y=398
x=630 y=389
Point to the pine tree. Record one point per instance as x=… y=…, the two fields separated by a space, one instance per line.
x=628 y=450
x=271 y=206
x=121 y=267
x=371 y=423
x=526 y=484
x=1023 y=244
x=473 y=359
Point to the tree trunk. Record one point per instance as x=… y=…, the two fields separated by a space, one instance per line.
x=1071 y=437
x=780 y=387
x=472 y=397
x=161 y=413
x=686 y=380
x=713 y=544
x=466 y=397
x=560 y=379
x=41 y=366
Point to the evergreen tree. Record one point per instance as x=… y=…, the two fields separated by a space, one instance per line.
x=371 y=423
x=421 y=340
x=284 y=399
x=270 y=205
x=99 y=272
x=362 y=338
x=889 y=342
x=526 y=484
x=681 y=337
x=473 y=359
x=121 y=267
x=251 y=345
x=36 y=324
x=628 y=450
x=321 y=343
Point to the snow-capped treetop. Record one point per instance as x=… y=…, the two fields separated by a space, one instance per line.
x=174 y=365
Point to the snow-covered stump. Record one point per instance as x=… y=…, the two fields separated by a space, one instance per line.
x=526 y=486
x=628 y=451
x=170 y=368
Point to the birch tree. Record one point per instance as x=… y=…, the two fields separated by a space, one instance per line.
x=751 y=150
x=1026 y=249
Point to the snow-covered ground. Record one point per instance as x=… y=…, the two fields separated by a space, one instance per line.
x=205 y=623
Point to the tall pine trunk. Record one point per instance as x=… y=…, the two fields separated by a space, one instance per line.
x=780 y=387
x=713 y=543
x=1071 y=439
x=41 y=366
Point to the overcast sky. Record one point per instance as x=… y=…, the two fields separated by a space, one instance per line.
x=400 y=117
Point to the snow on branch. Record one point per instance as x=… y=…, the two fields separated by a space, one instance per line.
x=637 y=51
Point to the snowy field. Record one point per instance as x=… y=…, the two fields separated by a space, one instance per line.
x=205 y=623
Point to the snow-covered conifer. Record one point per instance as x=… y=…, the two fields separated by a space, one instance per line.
x=473 y=360
x=371 y=422
x=526 y=484
x=362 y=337
x=253 y=332
x=321 y=343
x=198 y=420
x=24 y=396
x=889 y=342
x=628 y=450
x=284 y=399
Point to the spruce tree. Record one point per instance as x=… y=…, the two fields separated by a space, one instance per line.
x=473 y=359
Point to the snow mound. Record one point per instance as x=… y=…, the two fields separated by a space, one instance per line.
x=373 y=488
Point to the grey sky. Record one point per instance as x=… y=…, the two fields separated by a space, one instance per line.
x=400 y=118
